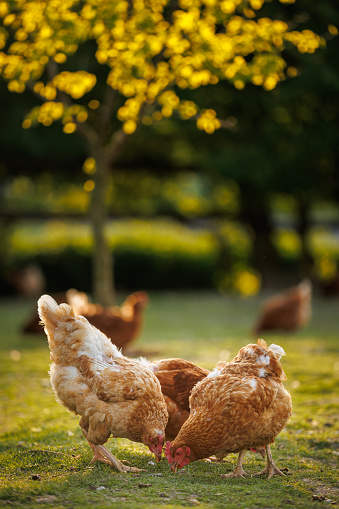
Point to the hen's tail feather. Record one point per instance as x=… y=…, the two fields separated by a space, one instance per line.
x=51 y=313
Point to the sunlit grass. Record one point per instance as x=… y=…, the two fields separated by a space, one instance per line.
x=44 y=456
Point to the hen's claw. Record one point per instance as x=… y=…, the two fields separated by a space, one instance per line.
x=99 y=457
x=271 y=471
x=125 y=468
x=271 y=468
x=113 y=461
x=236 y=473
x=105 y=456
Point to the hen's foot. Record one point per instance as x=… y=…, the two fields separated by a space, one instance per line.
x=237 y=472
x=271 y=471
x=98 y=457
x=271 y=468
x=114 y=462
x=125 y=468
x=105 y=456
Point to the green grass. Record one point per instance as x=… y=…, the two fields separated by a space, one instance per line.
x=45 y=460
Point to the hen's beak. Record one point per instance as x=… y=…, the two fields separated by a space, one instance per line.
x=158 y=458
x=174 y=467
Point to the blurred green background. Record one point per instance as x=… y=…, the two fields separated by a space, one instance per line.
x=253 y=205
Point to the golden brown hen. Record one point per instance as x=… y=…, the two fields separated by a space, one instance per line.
x=288 y=310
x=177 y=378
x=122 y=324
x=242 y=407
x=113 y=395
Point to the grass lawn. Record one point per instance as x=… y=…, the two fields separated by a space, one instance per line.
x=45 y=460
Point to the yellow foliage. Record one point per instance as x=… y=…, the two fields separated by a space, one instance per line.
x=89 y=185
x=16 y=86
x=188 y=109
x=76 y=84
x=208 y=122
x=69 y=128
x=325 y=268
x=26 y=124
x=292 y=71
x=3 y=9
x=89 y=166
x=60 y=58
x=247 y=283
x=287 y=242
x=129 y=126
x=94 y=104
x=332 y=29
x=243 y=281
x=146 y=52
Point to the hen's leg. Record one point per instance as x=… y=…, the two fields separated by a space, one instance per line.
x=102 y=454
x=238 y=471
x=98 y=456
x=271 y=468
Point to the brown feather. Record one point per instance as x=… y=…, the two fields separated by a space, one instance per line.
x=177 y=378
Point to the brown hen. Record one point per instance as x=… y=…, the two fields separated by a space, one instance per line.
x=289 y=310
x=120 y=323
x=177 y=378
x=242 y=407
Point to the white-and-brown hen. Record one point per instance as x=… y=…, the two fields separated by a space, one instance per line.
x=245 y=406
x=113 y=395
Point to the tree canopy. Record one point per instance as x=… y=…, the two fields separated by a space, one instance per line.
x=147 y=47
x=104 y=68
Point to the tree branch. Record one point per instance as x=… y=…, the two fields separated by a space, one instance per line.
x=113 y=148
x=107 y=111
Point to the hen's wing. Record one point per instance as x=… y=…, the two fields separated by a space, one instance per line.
x=112 y=380
x=176 y=418
x=233 y=391
x=177 y=378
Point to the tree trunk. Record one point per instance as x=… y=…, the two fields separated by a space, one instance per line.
x=102 y=262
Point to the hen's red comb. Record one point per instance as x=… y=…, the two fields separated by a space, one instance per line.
x=168 y=449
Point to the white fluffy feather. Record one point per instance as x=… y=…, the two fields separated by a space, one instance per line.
x=277 y=350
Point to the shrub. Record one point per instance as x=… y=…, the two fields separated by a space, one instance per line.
x=148 y=254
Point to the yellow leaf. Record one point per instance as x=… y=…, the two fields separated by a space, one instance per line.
x=69 y=128
x=60 y=58
x=129 y=127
